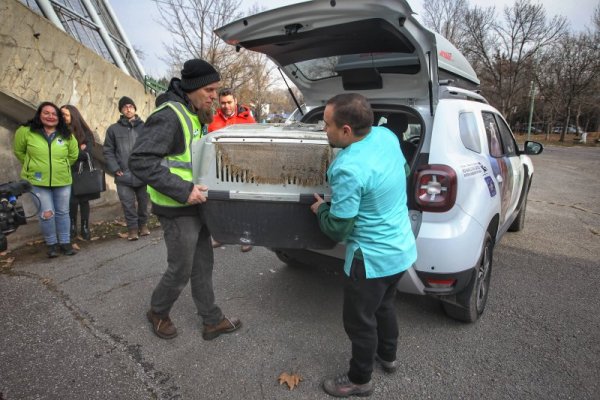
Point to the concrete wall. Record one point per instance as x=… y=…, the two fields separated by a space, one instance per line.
x=39 y=62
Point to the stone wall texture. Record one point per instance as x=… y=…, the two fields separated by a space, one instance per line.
x=39 y=62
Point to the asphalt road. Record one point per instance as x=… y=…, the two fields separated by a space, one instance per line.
x=74 y=327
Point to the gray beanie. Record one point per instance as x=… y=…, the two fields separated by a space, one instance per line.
x=197 y=73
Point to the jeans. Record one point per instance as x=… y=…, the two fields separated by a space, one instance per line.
x=128 y=195
x=189 y=258
x=369 y=320
x=54 y=213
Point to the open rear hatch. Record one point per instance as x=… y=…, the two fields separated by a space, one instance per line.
x=375 y=47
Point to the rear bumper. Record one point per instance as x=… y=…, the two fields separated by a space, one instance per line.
x=413 y=281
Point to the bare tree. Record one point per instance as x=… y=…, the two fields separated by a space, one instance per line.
x=192 y=24
x=446 y=17
x=503 y=51
x=570 y=76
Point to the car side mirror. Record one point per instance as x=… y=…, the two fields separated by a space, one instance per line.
x=533 y=148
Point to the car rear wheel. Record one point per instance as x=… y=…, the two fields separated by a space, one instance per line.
x=470 y=303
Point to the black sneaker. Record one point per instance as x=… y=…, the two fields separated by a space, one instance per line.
x=52 y=251
x=388 y=366
x=67 y=249
x=341 y=386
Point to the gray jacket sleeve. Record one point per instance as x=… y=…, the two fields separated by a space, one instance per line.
x=161 y=136
x=110 y=150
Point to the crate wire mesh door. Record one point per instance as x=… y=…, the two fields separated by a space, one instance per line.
x=261 y=186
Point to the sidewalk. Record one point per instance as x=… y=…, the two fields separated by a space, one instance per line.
x=31 y=231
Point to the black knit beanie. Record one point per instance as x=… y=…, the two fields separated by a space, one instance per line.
x=197 y=73
x=123 y=101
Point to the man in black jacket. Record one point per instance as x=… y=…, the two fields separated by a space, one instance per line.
x=118 y=143
x=162 y=158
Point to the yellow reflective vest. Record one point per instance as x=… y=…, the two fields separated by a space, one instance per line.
x=180 y=164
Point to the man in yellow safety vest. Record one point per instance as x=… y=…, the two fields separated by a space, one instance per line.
x=162 y=158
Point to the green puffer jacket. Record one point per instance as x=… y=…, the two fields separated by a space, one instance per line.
x=45 y=164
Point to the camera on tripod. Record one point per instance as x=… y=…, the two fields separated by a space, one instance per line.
x=11 y=214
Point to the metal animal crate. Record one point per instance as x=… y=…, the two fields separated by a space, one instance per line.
x=261 y=179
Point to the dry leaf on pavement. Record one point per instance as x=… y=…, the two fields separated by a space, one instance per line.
x=8 y=261
x=122 y=235
x=76 y=246
x=292 y=380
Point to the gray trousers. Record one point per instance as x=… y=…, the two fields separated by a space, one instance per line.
x=189 y=258
x=128 y=195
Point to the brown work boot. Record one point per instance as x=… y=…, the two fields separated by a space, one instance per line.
x=226 y=325
x=132 y=234
x=342 y=386
x=162 y=327
x=144 y=231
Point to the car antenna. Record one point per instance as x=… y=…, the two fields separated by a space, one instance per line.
x=291 y=92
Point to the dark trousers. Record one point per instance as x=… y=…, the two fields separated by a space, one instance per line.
x=190 y=258
x=74 y=204
x=128 y=196
x=369 y=320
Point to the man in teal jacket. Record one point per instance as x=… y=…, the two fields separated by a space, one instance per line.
x=368 y=211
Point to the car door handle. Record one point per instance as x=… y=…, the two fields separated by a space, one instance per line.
x=499 y=178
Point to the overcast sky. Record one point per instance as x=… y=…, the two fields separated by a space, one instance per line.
x=138 y=19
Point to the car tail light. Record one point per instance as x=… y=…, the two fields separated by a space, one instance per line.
x=440 y=283
x=435 y=189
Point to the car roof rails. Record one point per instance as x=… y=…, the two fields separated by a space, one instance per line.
x=448 y=92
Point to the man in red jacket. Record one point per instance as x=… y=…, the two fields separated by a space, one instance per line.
x=230 y=112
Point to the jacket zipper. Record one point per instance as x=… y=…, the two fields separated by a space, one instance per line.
x=50 y=163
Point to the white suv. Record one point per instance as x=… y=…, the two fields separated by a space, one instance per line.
x=468 y=183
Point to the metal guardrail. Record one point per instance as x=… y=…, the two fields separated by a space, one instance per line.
x=152 y=86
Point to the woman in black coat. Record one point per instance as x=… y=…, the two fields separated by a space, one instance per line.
x=85 y=138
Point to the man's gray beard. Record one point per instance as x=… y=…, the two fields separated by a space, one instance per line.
x=205 y=116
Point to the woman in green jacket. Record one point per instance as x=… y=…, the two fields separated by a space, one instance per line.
x=46 y=149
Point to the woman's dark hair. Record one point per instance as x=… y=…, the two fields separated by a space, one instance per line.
x=35 y=123
x=79 y=127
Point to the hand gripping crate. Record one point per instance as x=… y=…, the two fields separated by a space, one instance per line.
x=261 y=179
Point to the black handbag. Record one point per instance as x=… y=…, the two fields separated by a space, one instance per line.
x=88 y=180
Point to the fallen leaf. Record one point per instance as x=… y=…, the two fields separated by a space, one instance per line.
x=122 y=235
x=95 y=238
x=8 y=261
x=4 y=253
x=76 y=246
x=46 y=281
x=292 y=380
